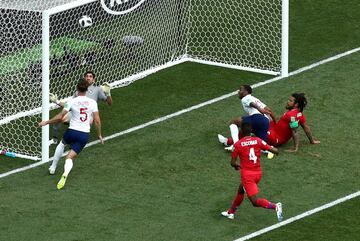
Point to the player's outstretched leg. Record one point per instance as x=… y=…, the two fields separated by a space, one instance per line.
x=228 y=215
x=61 y=182
x=222 y=139
x=58 y=153
x=56 y=128
x=235 y=204
x=262 y=202
x=67 y=168
x=234 y=130
x=279 y=213
x=230 y=148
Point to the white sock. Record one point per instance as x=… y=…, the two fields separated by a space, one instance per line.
x=234 y=130
x=58 y=153
x=67 y=167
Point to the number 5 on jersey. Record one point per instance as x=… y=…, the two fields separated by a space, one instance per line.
x=83 y=114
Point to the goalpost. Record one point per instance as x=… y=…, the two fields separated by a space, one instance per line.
x=47 y=45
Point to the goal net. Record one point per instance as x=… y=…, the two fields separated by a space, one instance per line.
x=47 y=45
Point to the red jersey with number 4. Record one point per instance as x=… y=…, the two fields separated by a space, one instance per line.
x=249 y=149
x=282 y=127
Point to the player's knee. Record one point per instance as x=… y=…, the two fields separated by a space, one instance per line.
x=236 y=122
x=241 y=190
x=253 y=201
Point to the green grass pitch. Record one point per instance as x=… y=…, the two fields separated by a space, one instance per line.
x=170 y=181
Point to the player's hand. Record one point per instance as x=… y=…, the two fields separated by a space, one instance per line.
x=235 y=166
x=54 y=98
x=101 y=139
x=106 y=88
x=265 y=111
x=41 y=124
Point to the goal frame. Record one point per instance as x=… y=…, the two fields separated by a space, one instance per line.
x=46 y=14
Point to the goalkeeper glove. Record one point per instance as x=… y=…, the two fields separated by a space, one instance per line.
x=54 y=98
x=106 y=88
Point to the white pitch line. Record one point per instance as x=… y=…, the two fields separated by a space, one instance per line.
x=300 y=216
x=189 y=109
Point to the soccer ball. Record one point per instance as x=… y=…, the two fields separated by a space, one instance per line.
x=85 y=21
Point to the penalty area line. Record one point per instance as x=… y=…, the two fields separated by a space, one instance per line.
x=306 y=68
x=300 y=216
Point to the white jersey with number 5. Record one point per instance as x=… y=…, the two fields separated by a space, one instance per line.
x=82 y=109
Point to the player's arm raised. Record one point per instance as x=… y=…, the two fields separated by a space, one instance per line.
x=54 y=99
x=98 y=126
x=106 y=89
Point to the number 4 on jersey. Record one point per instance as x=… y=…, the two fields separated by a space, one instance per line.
x=252 y=155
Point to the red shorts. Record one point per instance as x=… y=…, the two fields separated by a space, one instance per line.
x=272 y=137
x=249 y=181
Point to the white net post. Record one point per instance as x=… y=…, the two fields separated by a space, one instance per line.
x=45 y=84
x=285 y=39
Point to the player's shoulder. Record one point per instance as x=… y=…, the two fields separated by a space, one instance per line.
x=96 y=88
x=92 y=101
x=248 y=97
x=248 y=140
x=86 y=98
x=237 y=144
x=291 y=112
x=295 y=113
x=257 y=140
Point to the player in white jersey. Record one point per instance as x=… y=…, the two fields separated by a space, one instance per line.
x=258 y=115
x=77 y=135
x=251 y=104
x=97 y=93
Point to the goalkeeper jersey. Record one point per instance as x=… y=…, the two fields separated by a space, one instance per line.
x=95 y=93
x=82 y=109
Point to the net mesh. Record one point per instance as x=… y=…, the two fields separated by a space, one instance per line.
x=241 y=33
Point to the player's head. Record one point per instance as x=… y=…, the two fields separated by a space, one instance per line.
x=297 y=100
x=244 y=91
x=246 y=129
x=89 y=76
x=82 y=86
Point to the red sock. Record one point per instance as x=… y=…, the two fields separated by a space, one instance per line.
x=261 y=202
x=230 y=140
x=236 y=203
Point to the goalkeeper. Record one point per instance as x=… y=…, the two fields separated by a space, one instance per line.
x=97 y=93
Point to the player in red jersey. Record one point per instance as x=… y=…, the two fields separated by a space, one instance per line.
x=280 y=132
x=249 y=149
